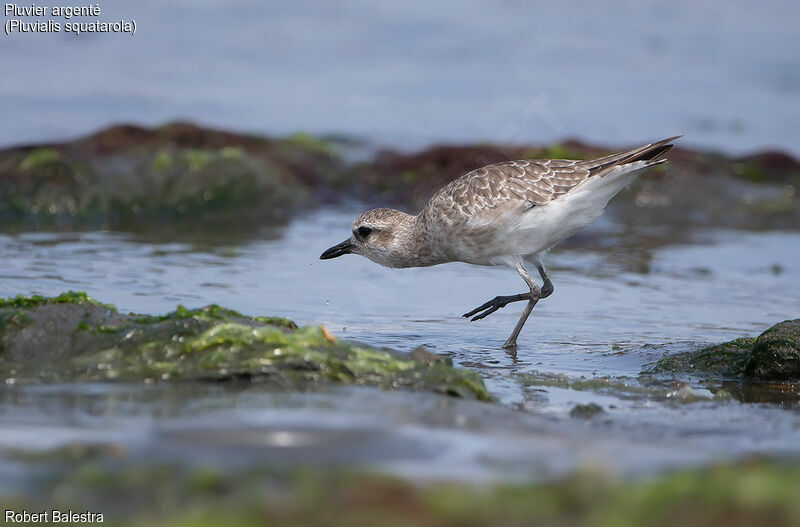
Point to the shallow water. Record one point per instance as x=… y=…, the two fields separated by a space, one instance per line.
x=603 y=320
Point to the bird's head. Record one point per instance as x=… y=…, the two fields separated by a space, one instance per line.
x=382 y=235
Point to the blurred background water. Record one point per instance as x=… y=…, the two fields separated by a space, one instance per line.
x=726 y=74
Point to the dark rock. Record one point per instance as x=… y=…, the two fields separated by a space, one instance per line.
x=726 y=360
x=773 y=356
x=776 y=353
x=768 y=166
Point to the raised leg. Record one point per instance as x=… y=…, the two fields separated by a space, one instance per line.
x=494 y=304
x=500 y=302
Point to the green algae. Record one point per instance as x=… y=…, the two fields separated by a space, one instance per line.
x=39 y=158
x=74 y=338
x=754 y=493
x=312 y=143
x=750 y=172
x=70 y=297
x=213 y=311
x=196 y=159
x=163 y=160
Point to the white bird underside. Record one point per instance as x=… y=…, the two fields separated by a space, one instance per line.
x=540 y=228
x=520 y=209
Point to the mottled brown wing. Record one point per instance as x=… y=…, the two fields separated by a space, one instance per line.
x=526 y=184
x=522 y=184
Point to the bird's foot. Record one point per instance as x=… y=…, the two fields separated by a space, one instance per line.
x=494 y=304
x=510 y=345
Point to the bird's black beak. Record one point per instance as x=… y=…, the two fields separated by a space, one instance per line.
x=346 y=247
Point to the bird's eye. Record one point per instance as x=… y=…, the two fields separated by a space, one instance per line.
x=364 y=231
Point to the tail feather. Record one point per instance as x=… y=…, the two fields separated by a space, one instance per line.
x=650 y=152
x=652 y=155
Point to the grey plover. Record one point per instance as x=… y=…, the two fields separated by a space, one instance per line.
x=502 y=214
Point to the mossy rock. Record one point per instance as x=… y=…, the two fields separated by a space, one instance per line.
x=74 y=338
x=776 y=353
x=773 y=356
x=178 y=176
x=726 y=360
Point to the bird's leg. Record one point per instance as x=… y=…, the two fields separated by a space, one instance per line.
x=494 y=304
x=500 y=302
x=511 y=341
x=534 y=296
x=547 y=285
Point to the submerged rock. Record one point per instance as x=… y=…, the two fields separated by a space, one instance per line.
x=773 y=356
x=72 y=337
x=585 y=411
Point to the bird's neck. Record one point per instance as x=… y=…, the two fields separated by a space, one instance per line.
x=415 y=244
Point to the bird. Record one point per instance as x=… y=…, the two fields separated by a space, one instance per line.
x=508 y=213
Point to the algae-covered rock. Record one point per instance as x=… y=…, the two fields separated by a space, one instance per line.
x=773 y=356
x=178 y=175
x=72 y=337
x=726 y=360
x=776 y=353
